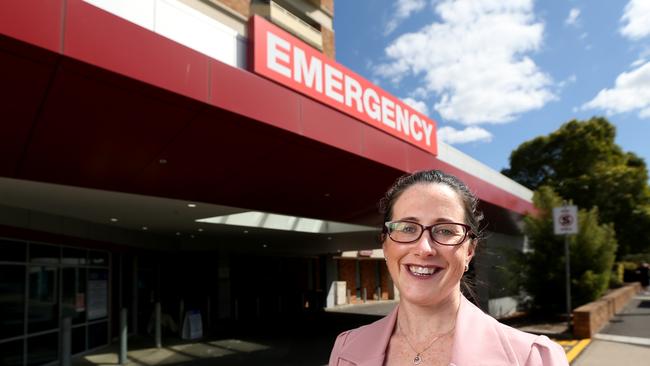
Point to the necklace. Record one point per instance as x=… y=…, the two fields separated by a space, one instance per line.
x=418 y=358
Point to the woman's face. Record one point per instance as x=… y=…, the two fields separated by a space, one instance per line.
x=427 y=204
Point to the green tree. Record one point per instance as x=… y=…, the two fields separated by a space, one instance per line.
x=542 y=268
x=583 y=163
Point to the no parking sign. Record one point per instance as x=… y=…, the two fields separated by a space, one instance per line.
x=565 y=220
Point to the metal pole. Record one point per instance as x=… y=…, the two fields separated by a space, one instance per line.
x=158 y=327
x=66 y=341
x=568 y=280
x=123 y=335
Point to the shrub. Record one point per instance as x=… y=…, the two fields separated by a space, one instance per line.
x=542 y=269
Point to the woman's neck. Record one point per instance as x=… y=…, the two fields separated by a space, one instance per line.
x=421 y=322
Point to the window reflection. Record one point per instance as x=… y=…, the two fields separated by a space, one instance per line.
x=73 y=294
x=13 y=251
x=43 y=304
x=11 y=353
x=42 y=349
x=44 y=253
x=12 y=300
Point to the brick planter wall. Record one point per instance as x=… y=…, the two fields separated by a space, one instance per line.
x=588 y=319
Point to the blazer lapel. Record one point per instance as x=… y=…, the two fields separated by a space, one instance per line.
x=368 y=346
x=477 y=340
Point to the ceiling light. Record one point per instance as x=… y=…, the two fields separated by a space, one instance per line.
x=264 y=245
x=145 y=228
x=162 y=161
x=191 y=205
x=245 y=231
x=178 y=233
x=113 y=219
x=200 y=229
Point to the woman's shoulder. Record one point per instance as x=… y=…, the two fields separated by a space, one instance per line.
x=533 y=349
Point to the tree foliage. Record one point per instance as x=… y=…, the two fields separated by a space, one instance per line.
x=582 y=162
x=542 y=268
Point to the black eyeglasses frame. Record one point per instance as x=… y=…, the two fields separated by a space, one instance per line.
x=468 y=232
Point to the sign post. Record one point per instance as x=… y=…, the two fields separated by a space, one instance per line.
x=565 y=222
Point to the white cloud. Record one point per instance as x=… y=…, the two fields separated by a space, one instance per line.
x=418 y=105
x=475 y=60
x=636 y=19
x=403 y=10
x=572 y=19
x=451 y=135
x=630 y=93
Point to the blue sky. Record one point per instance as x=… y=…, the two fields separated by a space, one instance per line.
x=496 y=73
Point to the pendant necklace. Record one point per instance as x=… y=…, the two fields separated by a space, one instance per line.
x=418 y=358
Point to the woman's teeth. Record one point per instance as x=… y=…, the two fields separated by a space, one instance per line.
x=421 y=271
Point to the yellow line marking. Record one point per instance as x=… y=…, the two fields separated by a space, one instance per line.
x=575 y=351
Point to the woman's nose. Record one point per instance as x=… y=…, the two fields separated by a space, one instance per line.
x=425 y=245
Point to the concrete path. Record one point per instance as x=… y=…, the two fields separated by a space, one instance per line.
x=624 y=341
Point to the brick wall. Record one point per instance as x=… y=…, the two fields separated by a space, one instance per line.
x=240 y=6
x=347 y=273
x=328 y=42
x=368 y=277
x=386 y=282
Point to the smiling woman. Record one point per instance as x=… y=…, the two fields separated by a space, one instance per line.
x=429 y=237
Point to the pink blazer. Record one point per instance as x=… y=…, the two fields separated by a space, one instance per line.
x=479 y=340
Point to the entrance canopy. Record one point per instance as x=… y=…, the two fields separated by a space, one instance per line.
x=91 y=100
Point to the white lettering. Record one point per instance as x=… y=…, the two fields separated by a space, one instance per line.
x=273 y=54
x=402 y=119
x=387 y=112
x=428 y=129
x=372 y=110
x=417 y=135
x=312 y=72
x=353 y=92
x=333 y=85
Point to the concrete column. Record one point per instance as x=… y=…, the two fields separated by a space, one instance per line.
x=158 y=330
x=66 y=343
x=123 y=337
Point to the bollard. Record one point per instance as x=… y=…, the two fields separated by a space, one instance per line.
x=181 y=317
x=158 y=326
x=66 y=343
x=364 y=293
x=123 y=335
x=348 y=294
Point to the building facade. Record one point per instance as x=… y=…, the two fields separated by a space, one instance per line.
x=145 y=159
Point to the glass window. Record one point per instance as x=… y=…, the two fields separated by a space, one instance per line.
x=97 y=335
x=97 y=302
x=99 y=258
x=13 y=251
x=78 y=340
x=11 y=353
x=43 y=300
x=44 y=253
x=42 y=349
x=73 y=294
x=12 y=300
x=74 y=256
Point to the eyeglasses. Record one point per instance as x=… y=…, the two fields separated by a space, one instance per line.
x=446 y=233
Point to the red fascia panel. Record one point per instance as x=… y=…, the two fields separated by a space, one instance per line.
x=247 y=94
x=385 y=149
x=324 y=124
x=33 y=21
x=105 y=40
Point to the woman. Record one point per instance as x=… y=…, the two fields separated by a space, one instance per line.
x=429 y=238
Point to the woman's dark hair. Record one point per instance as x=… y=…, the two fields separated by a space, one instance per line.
x=473 y=216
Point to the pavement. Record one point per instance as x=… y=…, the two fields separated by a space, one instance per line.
x=308 y=340
x=624 y=341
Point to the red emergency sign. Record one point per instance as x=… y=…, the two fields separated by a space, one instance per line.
x=287 y=60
